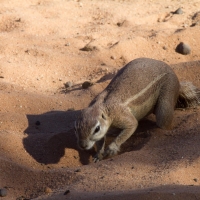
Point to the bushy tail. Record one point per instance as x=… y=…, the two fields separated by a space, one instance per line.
x=189 y=95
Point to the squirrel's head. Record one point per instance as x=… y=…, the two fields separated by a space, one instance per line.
x=91 y=126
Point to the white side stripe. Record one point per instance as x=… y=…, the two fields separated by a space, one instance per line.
x=144 y=90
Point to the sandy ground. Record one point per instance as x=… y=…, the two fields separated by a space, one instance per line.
x=41 y=49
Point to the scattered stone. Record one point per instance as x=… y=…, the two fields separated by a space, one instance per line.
x=67 y=44
x=88 y=48
x=1 y=76
x=123 y=23
x=112 y=57
x=195 y=179
x=179 y=11
x=87 y=84
x=183 y=48
x=68 y=84
x=77 y=170
x=165 y=48
x=18 y=20
x=3 y=192
x=66 y=192
x=120 y=23
x=47 y=190
x=37 y=123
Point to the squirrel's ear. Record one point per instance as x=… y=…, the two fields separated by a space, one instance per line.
x=103 y=116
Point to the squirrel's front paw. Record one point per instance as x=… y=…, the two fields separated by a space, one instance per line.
x=99 y=156
x=111 y=150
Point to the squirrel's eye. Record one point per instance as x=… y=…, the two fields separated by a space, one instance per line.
x=103 y=116
x=97 y=129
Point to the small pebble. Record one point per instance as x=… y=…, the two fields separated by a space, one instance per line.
x=119 y=24
x=87 y=84
x=68 y=84
x=88 y=48
x=112 y=57
x=195 y=179
x=183 y=48
x=66 y=192
x=47 y=190
x=179 y=11
x=77 y=170
x=3 y=192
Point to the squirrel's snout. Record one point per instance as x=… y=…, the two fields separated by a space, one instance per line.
x=85 y=145
x=82 y=146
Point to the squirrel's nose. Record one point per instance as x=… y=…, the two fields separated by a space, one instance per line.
x=82 y=145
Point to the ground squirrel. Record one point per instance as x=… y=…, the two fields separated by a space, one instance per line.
x=141 y=87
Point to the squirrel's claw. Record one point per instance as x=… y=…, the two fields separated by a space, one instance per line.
x=98 y=157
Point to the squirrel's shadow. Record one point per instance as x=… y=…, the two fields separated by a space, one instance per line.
x=49 y=134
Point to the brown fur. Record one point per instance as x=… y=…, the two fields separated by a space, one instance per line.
x=141 y=87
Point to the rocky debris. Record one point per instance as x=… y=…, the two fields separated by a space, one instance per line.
x=3 y=192
x=66 y=192
x=47 y=190
x=183 y=48
x=67 y=44
x=77 y=170
x=164 y=47
x=68 y=84
x=195 y=180
x=87 y=84
x=179 y=11
x=88 y=48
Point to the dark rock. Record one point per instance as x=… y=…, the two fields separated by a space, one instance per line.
x=87 y=84
x=68 y=84
x=66 y=192
x=195 y=179
x=179 y=11
x=183 y=48
x=3 y=192
x=77 y=170
x=88 y=48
